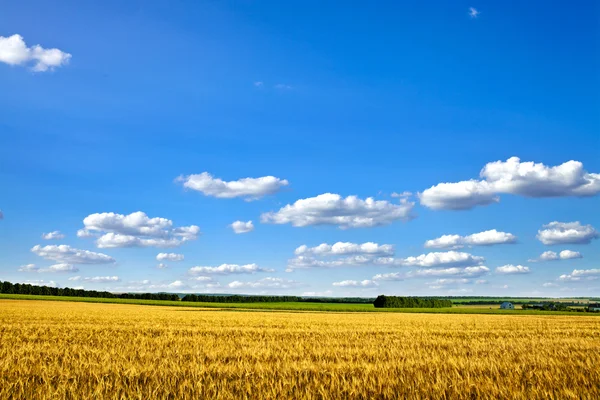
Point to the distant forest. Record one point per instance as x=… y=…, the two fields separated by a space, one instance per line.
x=24 y=288
x=410 y=302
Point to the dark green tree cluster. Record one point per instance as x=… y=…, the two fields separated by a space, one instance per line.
x=239 y=299
x=24 y=288
x=546 y=306
x=410 y=302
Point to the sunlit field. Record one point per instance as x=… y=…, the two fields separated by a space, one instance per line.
x=114 y=351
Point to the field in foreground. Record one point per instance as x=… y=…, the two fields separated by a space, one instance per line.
x=114 y=351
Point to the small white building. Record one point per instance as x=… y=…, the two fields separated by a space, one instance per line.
x=507 y=306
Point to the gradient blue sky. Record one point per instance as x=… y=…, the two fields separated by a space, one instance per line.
x=354 y=99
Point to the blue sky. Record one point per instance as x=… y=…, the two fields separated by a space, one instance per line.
x=487 y=118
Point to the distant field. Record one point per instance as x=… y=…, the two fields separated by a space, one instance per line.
x=70 y=350
x=332 y=307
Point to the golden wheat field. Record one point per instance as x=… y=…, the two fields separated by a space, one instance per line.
x=77 y=350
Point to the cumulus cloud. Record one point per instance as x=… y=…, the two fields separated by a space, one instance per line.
x=553 y=256
x=581 y=275
x=333 y=209
x=62 y=267
x=318 y=294
x=242 y=227
x=28 y=268
x=443 y=259
x=486 y=238
x=228 y=269
x=136 y=230
x=265 y=283
x=41 y=282
x=473 y=12
x=549 y=284
x=248 y=188
x=512 y=269
x=437 y=259
x=357 y=284
x=84 y=233
x=467 y=272
x=512 y=176
x=346 y=248
x=14 y=51
x=458 y=196
x=454 y=272
x=567 y=233
x=69 y=255
x=95 y=279
x=450 y=281
x=162 y=266
x=52 y=235
x=169 y=257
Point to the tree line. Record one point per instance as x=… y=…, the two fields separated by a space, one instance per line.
x=410 y=302
x=25 y=288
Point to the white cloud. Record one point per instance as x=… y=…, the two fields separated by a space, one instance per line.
x=52 y=235
x=512 y=176
x=242 y=227
x=62 y=267
x=473 y=12
x=84 y=233
x=449 y=281
x=486 y=238
x=393 y=276
x=318 y=294
x=265 y=283
x=14 y=51
x=468 y=272
x=549 y=284
x=69 y=255
x=346 y=248
x=360 y=284
x=437 y=259
x=454 y=272
x=259 y=84
x=169 y=257
x=458 y=196
x=580 y=275
x=512 y=269
x=95 y=279
x=41 y=282
x=553 y=256
x=248 y=188
x=162 y=266
x=227 y=269
x=283 y=86
x=481 y=282
x=402 y=195
x=28 y=268
x=567 y=233
x=443 y=259
x=202 y=279
x=332 y=209
x=136 y=230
